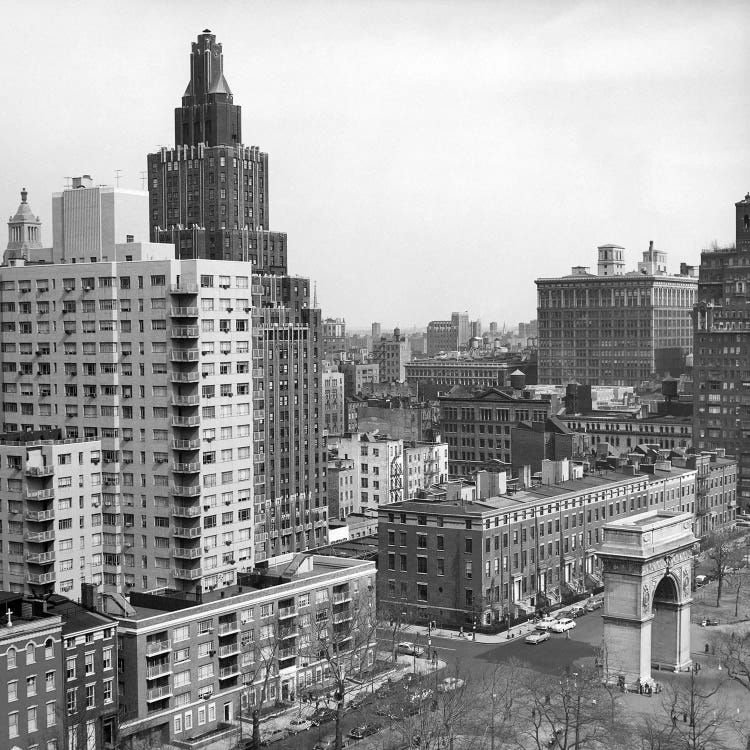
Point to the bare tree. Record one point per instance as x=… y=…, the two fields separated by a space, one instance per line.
x=734 y=652
x=343 y=638
x=392 y=616
x=498 y=699
x=573 y=711
x=722 y=552
x=696 y=716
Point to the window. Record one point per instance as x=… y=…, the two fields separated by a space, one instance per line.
x=51 y=714
x=49 y=649
x=70 y=668
x=49 y=681
x=70 y=701
x=12 y=691
x=107 y=658
x=30 y=653
x=31 y=719
x=31 y=685
x=13 y=724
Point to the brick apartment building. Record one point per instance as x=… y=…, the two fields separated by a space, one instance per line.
x=464 y=552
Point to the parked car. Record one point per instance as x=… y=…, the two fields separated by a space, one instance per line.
x=413 y=649
x=592 y=604
x=386 y=711
x=577 y=611
x=322 y=715
x=364 y=730
x=709 y=621
x=545 y=623
x=269 y=736
x=538 y=637
x=562 y=625
x=299 y=724
x=701 y=580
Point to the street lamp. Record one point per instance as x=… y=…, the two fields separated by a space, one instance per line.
x=474 y=629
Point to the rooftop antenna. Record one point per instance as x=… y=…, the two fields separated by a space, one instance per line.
x=118 y=172
x=143 y=180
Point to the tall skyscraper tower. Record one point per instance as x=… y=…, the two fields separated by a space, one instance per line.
x=721 y=364
x=209 y=196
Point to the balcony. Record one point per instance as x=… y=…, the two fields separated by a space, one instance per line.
x=187 y=553
x=285 y=612
x=40 y=537
x=158 y=670
x=40 y=558
x=40 y=578
x=184 y=355
x=287 y=653
x=227 y=672
x=183 y=312
x=191 y=574
x=186 y=445
x=158 y=647
x=193 y=532
x=183 y=288
x=285 y=633
x=341 y=597
x=186 y=490
x=159 y=693
x=185 y=400
x=186 y=512
x=184 y=377
x=230 y=650
x=227 y=628
x=190 y=468
x=40 y=495
x=40 y=471
x=39 y=515
x=186 y=421
x=339 y=617
x=184 y=332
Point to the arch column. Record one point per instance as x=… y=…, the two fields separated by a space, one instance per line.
x=647 y=564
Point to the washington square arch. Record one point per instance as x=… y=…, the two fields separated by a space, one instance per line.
x=647 y=562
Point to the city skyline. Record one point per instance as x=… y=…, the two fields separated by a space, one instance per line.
x=556 y=130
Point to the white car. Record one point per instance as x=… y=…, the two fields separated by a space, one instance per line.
x=545 y=623
x=407 y=647
x=449 y=684
x=539 y=637
x=298 y=724
x=562 y=625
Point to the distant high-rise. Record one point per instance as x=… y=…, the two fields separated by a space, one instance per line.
x=614 y=328
x=721 y=363
x=376 y=332
x=463 y=327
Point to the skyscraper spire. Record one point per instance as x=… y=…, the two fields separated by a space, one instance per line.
x=207 y=114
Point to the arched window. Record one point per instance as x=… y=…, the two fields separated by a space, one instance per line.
x=30 y=653
x=49 y=649
x=10 y=656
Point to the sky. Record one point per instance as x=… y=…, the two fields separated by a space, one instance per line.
x=424 y=157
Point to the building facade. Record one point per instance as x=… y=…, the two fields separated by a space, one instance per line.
x=442 y=336
x=24 y=230
x=334 y=338
x=392 y=354
x=460 y=560
x=358 y=376
x=197 y=667
x=425 y=464
x=477 y=425
x=721 y=364
x=614 y=328
x=333 y=403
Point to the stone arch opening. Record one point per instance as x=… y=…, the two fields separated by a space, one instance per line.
x=665 y=625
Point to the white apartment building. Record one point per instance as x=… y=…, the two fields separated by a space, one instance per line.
x=59 y=516
x=152 y=357
x=425 y=464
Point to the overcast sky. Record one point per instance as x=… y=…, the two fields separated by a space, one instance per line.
x=424 y=157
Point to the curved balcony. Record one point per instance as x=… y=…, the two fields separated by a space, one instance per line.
x=186 y=512
x=40 y=471
x=40 y=578
x=189 y=468
x=184 y=377
x=187 y=532
x=40 y=558
x=190 y=574
x=186 y=421
x=185 y=490
x=183 y=288
x=39 y=515
x=184 y=332
x=185 y=400
x=186 y=445
x=184 y=355
x=183 y=312
x=187 y=553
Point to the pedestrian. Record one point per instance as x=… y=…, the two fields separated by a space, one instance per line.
x=674 y=719
x=547 y=699
x=684 y=717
